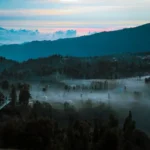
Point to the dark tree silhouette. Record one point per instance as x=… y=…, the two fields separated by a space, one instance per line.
x=44 y=89
x=128 y=121
x=113 y=121
x=2 y=97
x=5 y=85
x=66 y=106
x=96 y=132
x=129 y=126
x=41 y=109
x=13 y=96
x=110 y=141
x=45 y=133
x=24 y=95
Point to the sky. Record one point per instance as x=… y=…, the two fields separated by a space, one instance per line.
x=84 y=16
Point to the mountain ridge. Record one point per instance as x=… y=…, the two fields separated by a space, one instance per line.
x=135 y=39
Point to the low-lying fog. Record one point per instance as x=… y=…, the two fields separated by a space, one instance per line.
x=118 y=96
x=128 y=94
x=136 y=97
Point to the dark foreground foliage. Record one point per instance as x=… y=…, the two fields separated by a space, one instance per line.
x=41 y=128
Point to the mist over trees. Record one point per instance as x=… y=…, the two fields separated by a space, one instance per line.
x=41 y=126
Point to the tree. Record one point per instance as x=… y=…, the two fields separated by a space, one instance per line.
x=44 y=89
x=113 y=121
x=128 y=121
x=19 y=86
x=24 y=95
x=129 y=126
x=38 y=134
x=13 y=96
x=2 y=97
x=41 y=110
x=66 y=106
x=88 y=104
x=9 y=134
x=96 y=132
x=5 y=85
x=110 y=141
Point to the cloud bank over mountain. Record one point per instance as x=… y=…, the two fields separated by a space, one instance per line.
x=11 y=36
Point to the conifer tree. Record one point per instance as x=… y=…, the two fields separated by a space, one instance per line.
x=13 y=96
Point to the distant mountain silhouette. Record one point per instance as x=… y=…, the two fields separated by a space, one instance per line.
x=135 y=39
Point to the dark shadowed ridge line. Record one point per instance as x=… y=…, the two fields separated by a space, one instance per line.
x=134 y=39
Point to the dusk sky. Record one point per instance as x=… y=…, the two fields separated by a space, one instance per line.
x=81 y=15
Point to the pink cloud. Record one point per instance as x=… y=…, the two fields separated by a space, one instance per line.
x=82 y=31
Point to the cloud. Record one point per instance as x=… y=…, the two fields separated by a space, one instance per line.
x=94 y=2
x=73 y=13
x=35 y=12
x=65 y=34
x=91 y=14
x=13 y=36
x=20 y=36
x=48 y=25
x=72 y=10
x=17 y=36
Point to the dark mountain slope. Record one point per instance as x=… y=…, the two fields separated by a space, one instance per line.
x=127 y=40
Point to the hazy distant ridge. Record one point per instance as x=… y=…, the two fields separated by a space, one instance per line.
x=127 y=40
